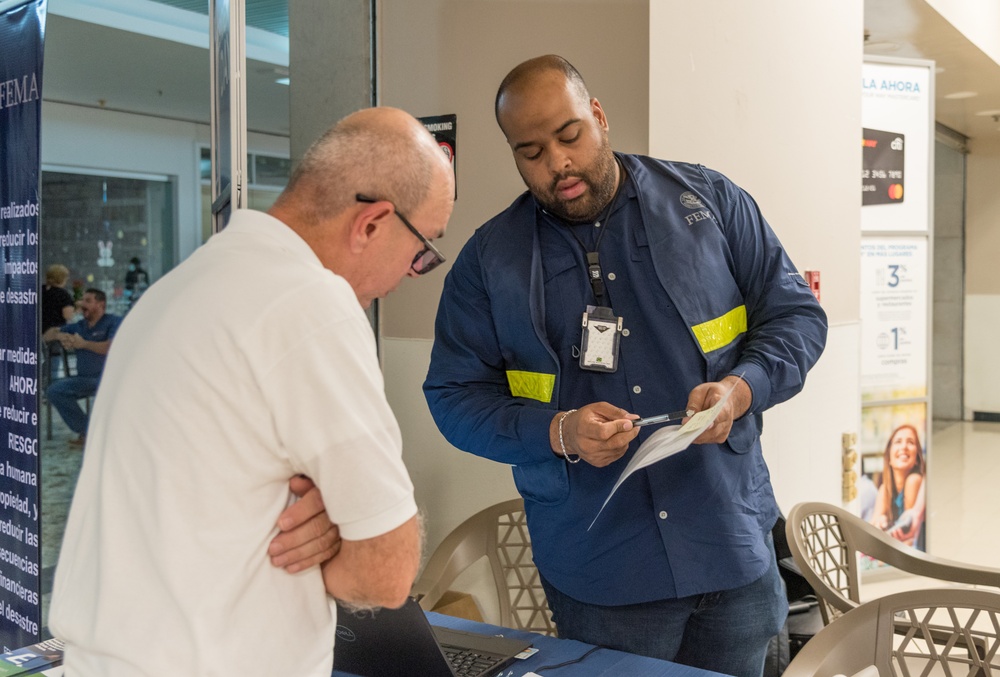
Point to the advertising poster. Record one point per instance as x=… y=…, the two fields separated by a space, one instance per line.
x=894 y=303
x=22 y=30
x=896 y=196
x=896 y=172
x=891 y=490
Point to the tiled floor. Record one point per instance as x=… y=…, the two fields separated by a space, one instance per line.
x=963 y=473
x=60 y=467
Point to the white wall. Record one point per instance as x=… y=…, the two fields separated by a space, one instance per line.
x=802 y=436
x=758 y=92
x=449 y=56
x=982 y=283
x=982 y=368
x=449 y=485
x=90 y=138
x=978 y=20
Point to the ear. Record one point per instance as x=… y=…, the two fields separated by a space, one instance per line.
x=598 y=111
x=369 y=223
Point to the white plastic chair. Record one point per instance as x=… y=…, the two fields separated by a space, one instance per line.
x=500 y=534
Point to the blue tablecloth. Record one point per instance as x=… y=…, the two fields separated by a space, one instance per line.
x=552 y=651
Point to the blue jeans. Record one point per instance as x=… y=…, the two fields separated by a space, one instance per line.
x=726 y=631
x=64 y=393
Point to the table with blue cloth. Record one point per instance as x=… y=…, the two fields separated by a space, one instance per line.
x=553 y=651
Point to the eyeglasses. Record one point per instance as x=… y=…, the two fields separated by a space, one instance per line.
x=428 y=258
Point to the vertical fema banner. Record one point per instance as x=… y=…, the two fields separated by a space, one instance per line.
x=22 y=31
x=897 y=116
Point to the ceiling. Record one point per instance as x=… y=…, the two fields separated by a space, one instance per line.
x=912 y=29
x=164 y=77
x=267 y=15
x=96 y=65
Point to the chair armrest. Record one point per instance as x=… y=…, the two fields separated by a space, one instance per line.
x=460 y=549
x=873 y=541
x=838 y=536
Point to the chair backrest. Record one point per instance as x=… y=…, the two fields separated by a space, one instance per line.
x=826 y=541
x=951 y=631
x=500 y=534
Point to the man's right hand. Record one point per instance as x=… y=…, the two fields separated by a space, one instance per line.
x=599 y=433
x=306 y=535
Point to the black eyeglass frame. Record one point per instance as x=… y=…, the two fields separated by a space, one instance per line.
x=429 y=248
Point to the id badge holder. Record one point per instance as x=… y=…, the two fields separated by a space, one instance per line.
x=599 y=344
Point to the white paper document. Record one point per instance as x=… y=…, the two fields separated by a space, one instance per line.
x=667 y=442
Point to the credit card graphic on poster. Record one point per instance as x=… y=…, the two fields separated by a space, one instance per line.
x=882 y=167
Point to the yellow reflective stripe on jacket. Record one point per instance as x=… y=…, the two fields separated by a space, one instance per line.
x=721 y=331
x=531 y=384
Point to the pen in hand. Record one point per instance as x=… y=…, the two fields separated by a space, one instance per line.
x=672 y=417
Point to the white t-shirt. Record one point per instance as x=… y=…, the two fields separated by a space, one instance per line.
x=247 y=364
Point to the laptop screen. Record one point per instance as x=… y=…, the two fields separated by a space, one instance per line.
x=400 y=642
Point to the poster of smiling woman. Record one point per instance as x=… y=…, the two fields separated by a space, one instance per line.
x=892 y=486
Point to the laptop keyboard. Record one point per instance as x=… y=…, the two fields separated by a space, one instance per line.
x=470 y=663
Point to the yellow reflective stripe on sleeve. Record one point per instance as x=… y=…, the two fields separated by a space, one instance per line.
x=721 y=331
x=531 y=384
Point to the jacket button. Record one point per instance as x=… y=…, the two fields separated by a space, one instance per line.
x=611 y=276
x=636 y=389
x=663 y=514
x=625 y=332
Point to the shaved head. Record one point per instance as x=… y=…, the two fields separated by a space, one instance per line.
x=528 y=71
x=558 y=135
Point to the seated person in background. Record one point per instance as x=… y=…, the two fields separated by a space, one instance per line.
x=57 y=303
x=91 y=339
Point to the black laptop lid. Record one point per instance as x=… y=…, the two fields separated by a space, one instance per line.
x=388 y=643
x=400 y=642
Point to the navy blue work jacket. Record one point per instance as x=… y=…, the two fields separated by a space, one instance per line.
x=695 y=522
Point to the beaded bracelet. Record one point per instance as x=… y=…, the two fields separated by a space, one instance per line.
x=562 y=444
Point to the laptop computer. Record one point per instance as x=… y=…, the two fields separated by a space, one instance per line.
x=395 y=642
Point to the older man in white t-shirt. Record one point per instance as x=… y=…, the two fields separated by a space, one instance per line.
x=251 y=362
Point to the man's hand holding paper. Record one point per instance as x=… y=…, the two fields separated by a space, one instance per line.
x=716 y=405
x=707 y=395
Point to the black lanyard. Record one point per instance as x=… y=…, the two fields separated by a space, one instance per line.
x=594 y=273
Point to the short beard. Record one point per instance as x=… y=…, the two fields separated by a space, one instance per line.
x=602 y=186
